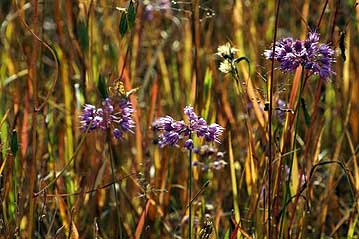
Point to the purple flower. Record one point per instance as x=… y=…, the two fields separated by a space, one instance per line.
x=165 y=4
x=172 y=131
x=189 y=144
x=149 y=9
x=125 y=121
x=117 y=133
x=87 y=118
x=199 y=126
x=196 y=163
x=196 y=124
x=106 y=114
x=169 y=138
x=207 y=152
x=312 y=55
x=180 y=127
x=164 y=123
x=119 y=120
x=162 y=6
x=214 y=132
x=188 y=110
x=217 y=164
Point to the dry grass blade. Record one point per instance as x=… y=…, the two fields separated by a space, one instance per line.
x=141 y=221
x=290 y=118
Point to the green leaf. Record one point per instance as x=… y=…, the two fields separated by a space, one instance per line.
x=102 y=86
x=352 y=227
x=208 y=81
x=83 y=35
x=226 y=236
x=112 y=52
x=305 y=112
x=123 y=24
x=14 y=146
x=131 y=14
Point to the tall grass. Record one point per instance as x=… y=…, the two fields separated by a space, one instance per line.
x=293 y=179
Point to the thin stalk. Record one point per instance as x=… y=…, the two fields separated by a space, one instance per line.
x=31 y=161
x=322 y=14
x=241 y=92
x=270 y=161
x=115 y=190
x=190 y=193
x=294 y=148
x=196 y=41
x=233 y=180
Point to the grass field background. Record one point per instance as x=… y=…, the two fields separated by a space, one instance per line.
x=57 y=181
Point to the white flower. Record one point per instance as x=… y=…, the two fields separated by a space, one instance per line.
x=226 y=50
x=225 y=66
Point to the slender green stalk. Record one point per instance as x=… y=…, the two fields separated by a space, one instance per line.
x=234 y=181
x=294 y=149
x=270 y=112
x=117 y=203
x=190 y=193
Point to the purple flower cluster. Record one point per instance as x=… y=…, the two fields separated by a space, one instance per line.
x=120 y=121
x=162 y=6
x=173 y=131
x=207 y=152
x=312 y=55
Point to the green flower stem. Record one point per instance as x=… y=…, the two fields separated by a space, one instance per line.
x=190 y=192
x=114 y=188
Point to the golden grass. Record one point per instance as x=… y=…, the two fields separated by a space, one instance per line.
x=60 y=182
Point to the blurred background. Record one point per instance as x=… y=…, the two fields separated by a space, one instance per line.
x=55 y=55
